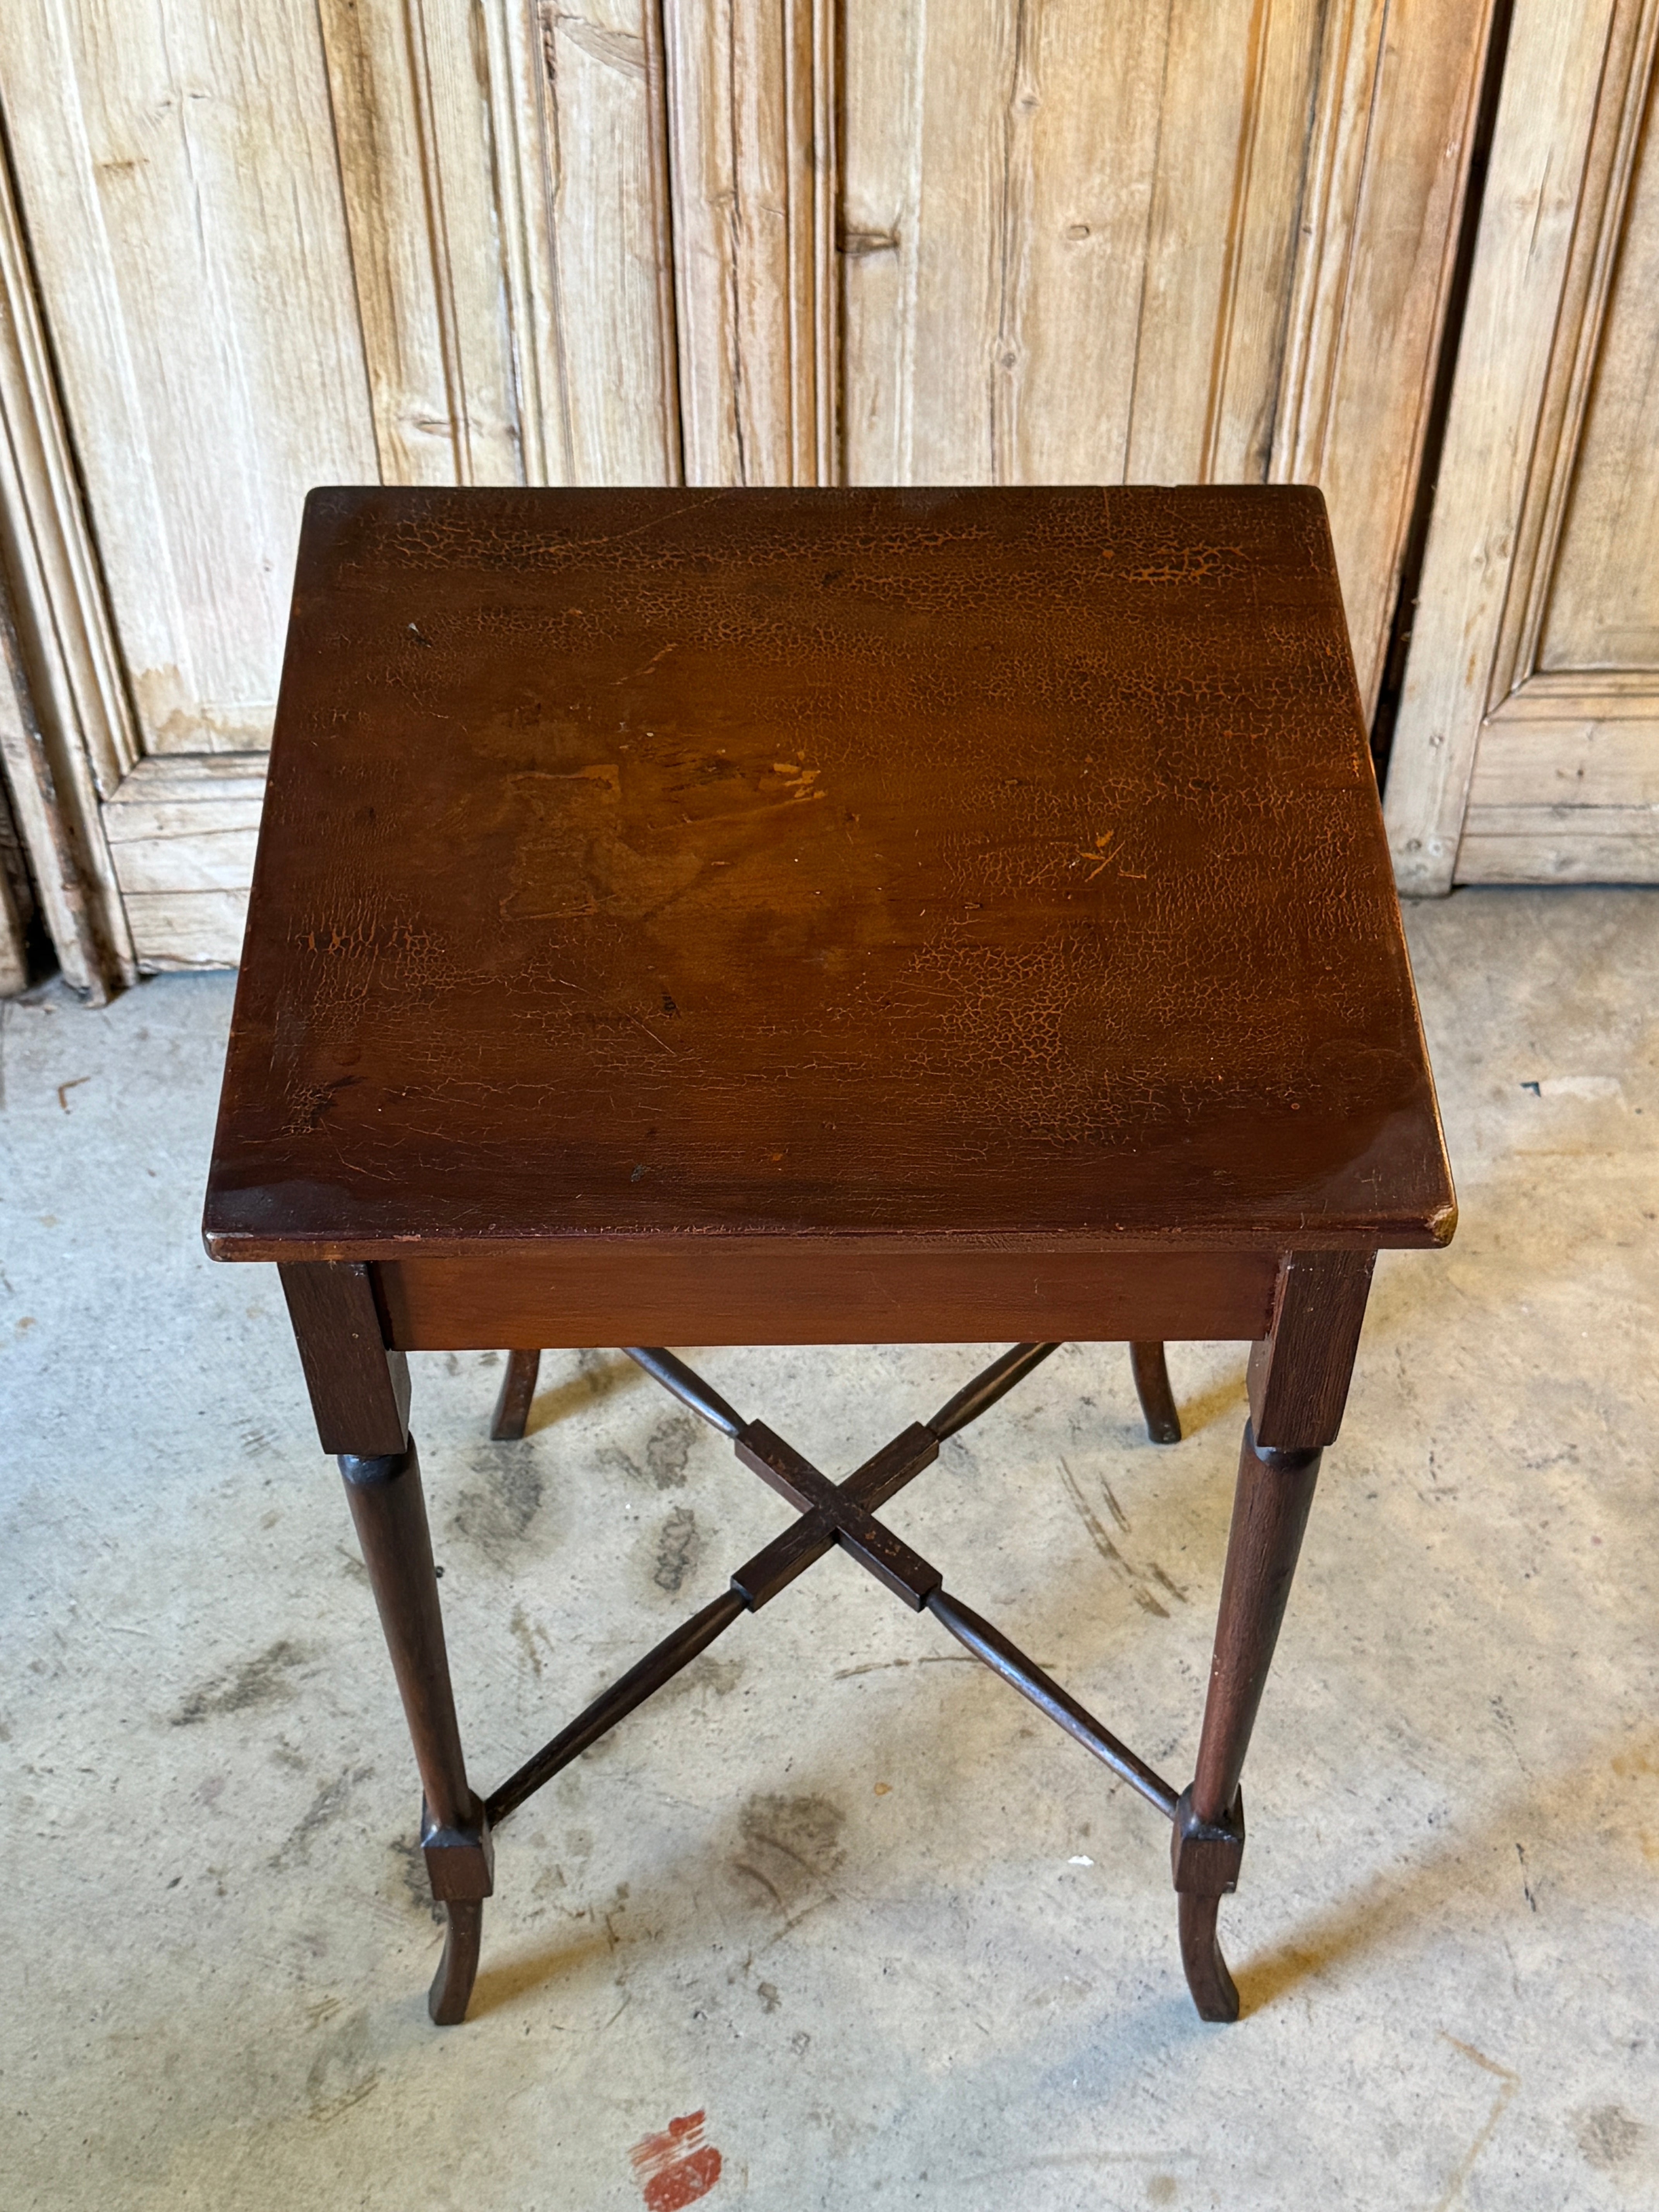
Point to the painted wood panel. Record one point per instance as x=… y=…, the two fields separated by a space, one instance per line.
x=66 y=733
x=602 y=152
x=1528 y=743
x=181 y=838
x=177 y=166
x=649 y=240
x=1205 y=242
x=752 y=154
x=412 y=127
x=1603 y=607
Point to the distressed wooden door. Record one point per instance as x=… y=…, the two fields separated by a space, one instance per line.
x=245 y=249
x=1528 y=745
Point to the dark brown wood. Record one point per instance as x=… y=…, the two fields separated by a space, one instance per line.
x=987 y=1388
x=1270 y=1511
x=1213 y=1990
x=516 y=1397
x=660 y=1665
x=876 y=1548
x=1157 y=1405
x=1025 y=1675
x=518 y=1394
x=359 y=1389
x=832 y=1513
x=777 y=1291
x=819 y=864
x=824 y=916
x=777 y=1565
x=1271 y=1500
x=1300 y=1372
x=458 y=1969
x=1298 y=1381
x=388 y=1510
x=690 y=1388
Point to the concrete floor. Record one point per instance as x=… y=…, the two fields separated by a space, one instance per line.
x=900 y=1942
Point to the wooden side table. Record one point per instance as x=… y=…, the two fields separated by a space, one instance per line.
x=813 y=917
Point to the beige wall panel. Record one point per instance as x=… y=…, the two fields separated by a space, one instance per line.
x=1080 y=133
x=1526 y=847
x=1380 y=249
x=1556 y=764
x=1603 y=606
x=1220 y=252
x=1524 y=750
x=924 y=147
x=601 y=125
x=66 y=731
x=1209 y=241
x=182 y=202
x=751 y=109
x=416 y=132
x=181 y=836
x=187 y=929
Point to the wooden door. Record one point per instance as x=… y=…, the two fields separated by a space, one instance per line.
x=247 y=248
x=1528 y=745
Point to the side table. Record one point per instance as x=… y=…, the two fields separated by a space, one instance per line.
x=815 y=917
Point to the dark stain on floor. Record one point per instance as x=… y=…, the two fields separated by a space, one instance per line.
x=261 y=1681
x=791 y=1845
x=680 y=1544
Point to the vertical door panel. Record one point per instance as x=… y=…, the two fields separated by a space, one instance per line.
x=1528 y=745
x=1206 y=241
x=176 y=165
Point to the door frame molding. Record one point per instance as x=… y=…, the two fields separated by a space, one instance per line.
x=1575 y=90
x=67 y=733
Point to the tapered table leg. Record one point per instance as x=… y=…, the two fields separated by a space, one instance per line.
x=360 y=1395
x=1270 y=1511
x=1298 y=1384
x=389 y=1512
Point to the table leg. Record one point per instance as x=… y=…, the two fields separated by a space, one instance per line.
x=1158 y=1403
x=1298 y=1385
x=360 y=1395
x=518 y=1392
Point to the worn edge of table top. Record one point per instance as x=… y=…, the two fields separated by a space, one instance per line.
x=1428 y=1219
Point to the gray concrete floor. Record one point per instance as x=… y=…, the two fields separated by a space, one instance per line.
x=900 y=1942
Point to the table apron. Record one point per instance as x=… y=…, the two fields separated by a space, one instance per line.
x=760 y=1293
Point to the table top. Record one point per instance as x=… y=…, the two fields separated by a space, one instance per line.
x=997 y=866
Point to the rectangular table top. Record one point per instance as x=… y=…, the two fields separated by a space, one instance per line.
x=996 y=866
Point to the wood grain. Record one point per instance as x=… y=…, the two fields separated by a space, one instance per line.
x=181 y=834
x=1382 y=204
x=192 y=256
x=1003 y=863
x=611 y=242
x=1201 y=242
x=17 y=904
x=359 y=1389
x=1560 y=194
x=751 y=109
x=416 y=152
x=1601 y=607
x=1299 y=1372
x=601 y=131
x=776 y=1292
x=66 y=732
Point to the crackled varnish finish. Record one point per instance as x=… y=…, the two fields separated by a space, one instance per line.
x=812 y=916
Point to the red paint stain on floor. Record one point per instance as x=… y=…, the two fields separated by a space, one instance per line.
x=676 y=2168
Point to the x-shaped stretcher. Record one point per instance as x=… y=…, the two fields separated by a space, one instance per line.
x=834 y=1514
